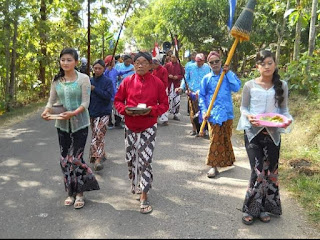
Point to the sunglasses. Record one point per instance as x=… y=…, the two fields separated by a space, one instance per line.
x=214 y=61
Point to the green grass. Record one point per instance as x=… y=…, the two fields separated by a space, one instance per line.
x=18 y=114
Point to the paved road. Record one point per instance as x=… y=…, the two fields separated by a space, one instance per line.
x=186 y=203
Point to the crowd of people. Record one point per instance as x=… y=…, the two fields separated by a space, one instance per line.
x=140 y=92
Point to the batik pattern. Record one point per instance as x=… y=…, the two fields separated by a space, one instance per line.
x=99 y=130
x=221 y=151
x=263 y=190
x=78 y=176
x=174 y=101
x=139 y=153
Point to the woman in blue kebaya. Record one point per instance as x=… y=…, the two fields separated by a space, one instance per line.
x=264 y=94
x=221 y=115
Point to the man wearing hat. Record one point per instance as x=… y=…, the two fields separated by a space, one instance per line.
x=147 y=90
x=161 y=72
x=194 y=74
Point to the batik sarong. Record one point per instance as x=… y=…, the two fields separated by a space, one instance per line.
x=174 y=101
x=78 y=176
x=263 y=190
x=99 y=130
x=221 y=151
x=139 y=153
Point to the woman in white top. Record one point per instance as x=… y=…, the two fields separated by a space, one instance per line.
x=264 y=94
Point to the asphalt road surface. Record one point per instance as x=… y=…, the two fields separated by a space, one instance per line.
x=186 y=203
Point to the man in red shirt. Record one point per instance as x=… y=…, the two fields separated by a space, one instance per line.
x=175 y=74
x=141 y=98
x=161 y=72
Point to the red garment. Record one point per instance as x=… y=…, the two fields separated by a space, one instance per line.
x=136 y=89
x=176 y=70
x=162 y=73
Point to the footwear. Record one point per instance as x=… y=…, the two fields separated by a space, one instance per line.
x=264 y=217
x=69 y=201
x=97 y=166
x=193 y=133
x=145 y=207
x=104 y=158
x=79 y=202
x=247 y=219
x=165 y=123
x=176 y=118
x=212 y=172
x=110 y=127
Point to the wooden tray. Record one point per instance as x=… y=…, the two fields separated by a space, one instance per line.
x=55 y=117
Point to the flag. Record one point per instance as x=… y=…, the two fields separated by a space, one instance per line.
x=232 y=8
x=155 y=51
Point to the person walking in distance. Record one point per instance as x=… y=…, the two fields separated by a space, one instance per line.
x=161 y=72
x=220 y=119
x=144 y=90
x=72 y=89
x=194 y=74
x=264 y=94
x=175 y=74
x=100 y=108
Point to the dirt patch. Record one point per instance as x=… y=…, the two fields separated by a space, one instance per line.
x=304 y=166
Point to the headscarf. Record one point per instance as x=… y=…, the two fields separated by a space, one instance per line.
x=213 y=53
x=146 y=55
x=199 y=57
x=108 y=60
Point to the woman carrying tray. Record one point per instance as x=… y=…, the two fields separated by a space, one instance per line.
x=264 y=94
x=72 y=89
x=146 y=91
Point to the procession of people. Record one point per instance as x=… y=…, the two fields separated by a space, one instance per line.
x=141 y=93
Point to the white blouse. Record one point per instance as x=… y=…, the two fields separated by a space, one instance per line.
x=257 y=100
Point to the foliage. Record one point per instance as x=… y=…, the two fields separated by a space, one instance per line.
x=303 y=75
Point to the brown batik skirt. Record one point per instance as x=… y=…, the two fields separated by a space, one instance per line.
x=220 y=151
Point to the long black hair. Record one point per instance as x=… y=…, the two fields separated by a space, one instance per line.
x=70 y=51
x=261 y=56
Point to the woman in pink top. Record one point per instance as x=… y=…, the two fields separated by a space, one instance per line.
x=140 y=130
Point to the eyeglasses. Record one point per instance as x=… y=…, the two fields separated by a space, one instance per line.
x=143 y=64
x=215 y=61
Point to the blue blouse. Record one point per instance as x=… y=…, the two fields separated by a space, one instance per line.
x=257 y=100
x=222 y=109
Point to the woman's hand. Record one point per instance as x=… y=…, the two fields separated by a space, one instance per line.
x=67 y=115
x=226 y=68
x=45 y=114
x=253 y=120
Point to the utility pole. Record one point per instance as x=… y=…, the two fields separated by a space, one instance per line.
x=88 y=66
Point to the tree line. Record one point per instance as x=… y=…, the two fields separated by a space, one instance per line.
x=34 y=32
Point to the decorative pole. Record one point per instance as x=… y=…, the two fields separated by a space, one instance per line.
x=240 y=31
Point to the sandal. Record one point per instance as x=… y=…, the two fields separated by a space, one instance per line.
x=264 y=217
x=247 y=219
x=79 y=202
x=145 y=207
x=212 y=172
x=69 y=201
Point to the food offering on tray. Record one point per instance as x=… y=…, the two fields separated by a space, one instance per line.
x=272 y=119
x=141 y=108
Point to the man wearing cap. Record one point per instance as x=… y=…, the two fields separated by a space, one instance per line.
x=175 y=74
x=161 y=72
x=194 y=74
x=113 y=74
x=141 y=89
